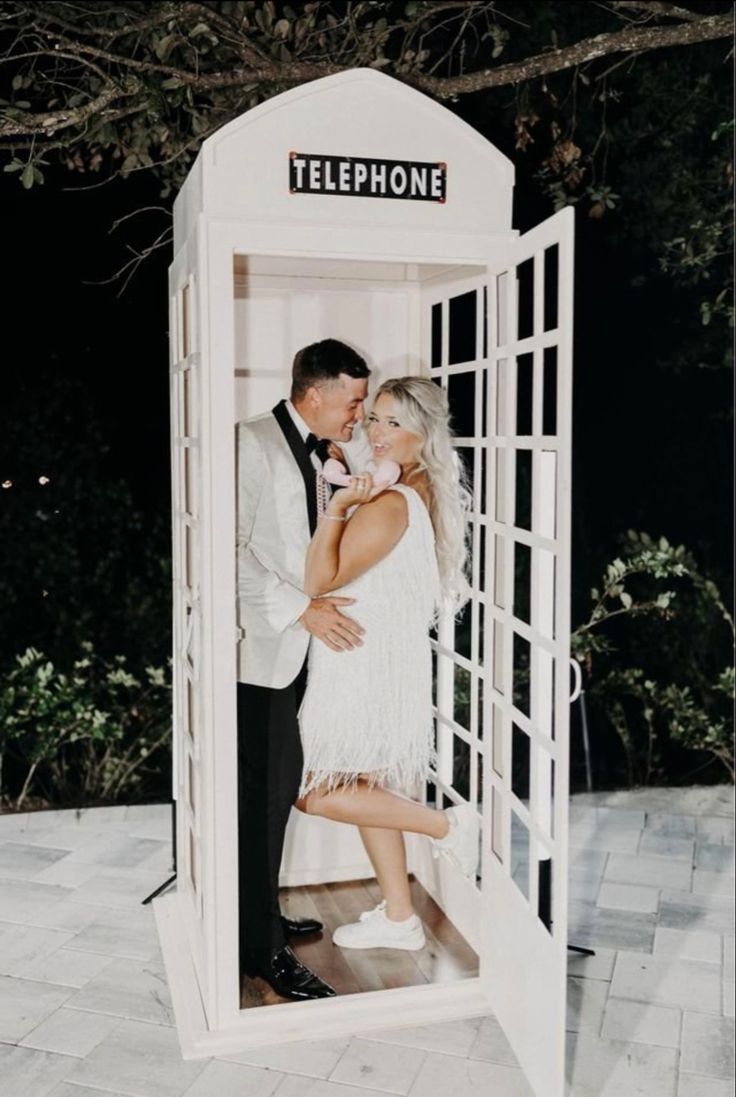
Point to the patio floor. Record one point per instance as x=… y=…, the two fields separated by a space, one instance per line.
x=85 y=1010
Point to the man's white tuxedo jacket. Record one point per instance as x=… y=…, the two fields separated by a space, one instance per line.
x=272 y=542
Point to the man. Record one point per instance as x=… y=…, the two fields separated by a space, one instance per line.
x=279 y=456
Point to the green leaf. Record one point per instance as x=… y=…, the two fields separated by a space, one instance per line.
x=28 y=177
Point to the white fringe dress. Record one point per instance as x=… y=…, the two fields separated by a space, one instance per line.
x=368 y=710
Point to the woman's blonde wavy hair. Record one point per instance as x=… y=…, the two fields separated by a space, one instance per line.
x=424 y=411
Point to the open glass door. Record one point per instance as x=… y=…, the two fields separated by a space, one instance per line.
x=501 y=346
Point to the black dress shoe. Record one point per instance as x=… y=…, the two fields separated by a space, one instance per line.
x=285 y=974
x=300 y=927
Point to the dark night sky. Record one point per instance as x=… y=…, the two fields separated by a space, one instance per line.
x=646 y=453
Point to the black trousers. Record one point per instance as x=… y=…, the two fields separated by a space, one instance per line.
x=269 y=771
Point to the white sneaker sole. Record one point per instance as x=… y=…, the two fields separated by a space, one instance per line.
x=413 y=943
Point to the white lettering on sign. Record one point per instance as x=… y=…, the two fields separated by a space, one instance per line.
x=367 y=177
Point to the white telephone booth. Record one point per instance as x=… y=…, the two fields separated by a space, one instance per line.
x=356 y=208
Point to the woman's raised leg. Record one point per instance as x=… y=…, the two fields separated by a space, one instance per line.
x=367 y=806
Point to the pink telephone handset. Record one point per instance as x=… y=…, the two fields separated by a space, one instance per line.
x=384 y=473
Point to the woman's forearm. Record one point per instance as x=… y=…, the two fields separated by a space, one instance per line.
x=323 y=554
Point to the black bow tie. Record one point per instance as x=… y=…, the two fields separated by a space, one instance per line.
x=319 y=445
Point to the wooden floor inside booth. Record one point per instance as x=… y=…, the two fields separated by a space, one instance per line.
x=446 y=957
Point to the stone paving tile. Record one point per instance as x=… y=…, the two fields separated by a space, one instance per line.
x=22 y=945
x=449 y=1037
x=606 y=837
x=642 y=1023
x=586 y=1004
x=624 y=818
x=66 y=915
x=115 y=890
x=29 y=1073
x=139 y=1059
x=491 y=1044
x=296 y=1086
x=682 y=984
x=381 y=1066
x=115 y=851
x=315 y=1058
x=691 y=944
x=715 y=829
x=21 y=860
x=712 y=883
x=66 y=1089
x=670 y=825
x=697 y=1085
x=128 y=934
x=447 y=1076
x=598 y=1067
x=67 y=968
x=24 y=1004
x=70 y=1032
x=653 y=872
x=715 y=858
x=707 y=1045
x=655 y=844
x=632 y=897
x=128 y=988
x=591 y=926
x=68 y=874
x=599 y=966
x=68 y=835
x=220 y=1079
x=684 y=910
x=22 y=900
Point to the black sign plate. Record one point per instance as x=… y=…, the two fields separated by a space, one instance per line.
x=365 y=177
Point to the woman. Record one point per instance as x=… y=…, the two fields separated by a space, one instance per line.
x=366 y=718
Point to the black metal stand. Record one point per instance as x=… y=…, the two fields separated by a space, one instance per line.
x=167 y=883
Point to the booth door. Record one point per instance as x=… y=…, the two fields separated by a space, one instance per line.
x=187 y=704
x=500 y=345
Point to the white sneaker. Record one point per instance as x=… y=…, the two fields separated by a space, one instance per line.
x=460 y=844
x=376 y=930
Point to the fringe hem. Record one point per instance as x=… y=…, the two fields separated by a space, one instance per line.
x=397 y=776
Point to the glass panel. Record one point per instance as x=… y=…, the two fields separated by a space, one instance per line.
x=462 y=632
x=461 y=767
x=190 y=710
x=520 y=855
x=523 y=489
x=193 y=867
x=187 y=426
x=479 y=763
x=499 y=571
x=502 y=286
x=481 y=574
x=498 y=681
x=185 y=322
x=498 y=752
x=551 y=286
x=485 y=321
x=522 y=581
x=436 y=337
x=497 y=823
x=544 y=600
x=461 y=400
x=521 y=670
x=549 y=391
x=462 y=328
x=502 y=383
x=524 y=389
x=520 y=762
x=190 y=461
x=466 y=454
x=188 y=556
x=525 y=299
x=501 y=457
x=462 y=697
x=544 y=904
x=190 y=782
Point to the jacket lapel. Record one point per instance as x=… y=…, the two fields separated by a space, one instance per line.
x=299 y=451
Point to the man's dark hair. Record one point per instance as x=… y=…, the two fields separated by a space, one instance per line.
x=322 y=362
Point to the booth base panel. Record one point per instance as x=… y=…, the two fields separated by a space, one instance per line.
x=441 y=987
x=446 y=958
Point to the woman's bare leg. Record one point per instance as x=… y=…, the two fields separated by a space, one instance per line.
x=388 y=857
x=375 y=807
